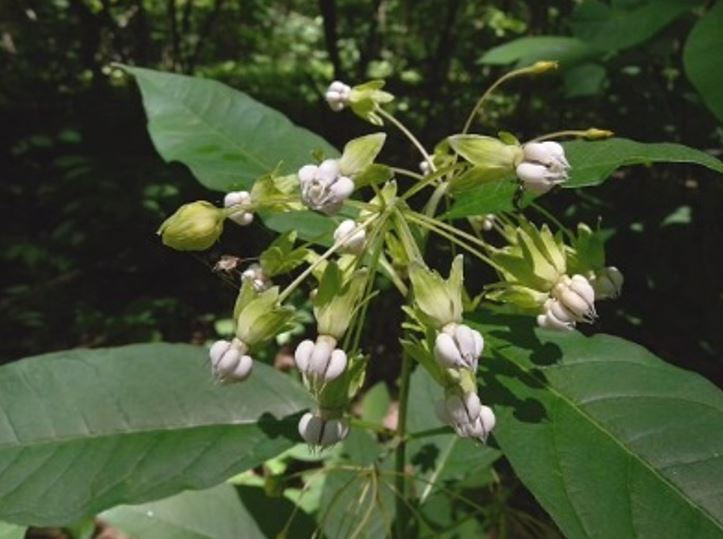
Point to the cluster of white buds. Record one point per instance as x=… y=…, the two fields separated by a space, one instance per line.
x=323 y=188
x=458 y=347
x=320 y=361
x=256 y=276
x=317 y=431
x=337 y=95
x=607 y=282
x=572 y=300
x=543 y=166
x=350 y=242
x=239 y=202
x=229 y=360
x=467 y=415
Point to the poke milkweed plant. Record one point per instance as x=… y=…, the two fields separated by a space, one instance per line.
x=612 y=441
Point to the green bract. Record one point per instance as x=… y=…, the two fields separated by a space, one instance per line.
x=194 y=227
x=260 y=317
x=336 y=299
x=438 y=301
x=359 y=153
x=280 y=257
x=366 y=98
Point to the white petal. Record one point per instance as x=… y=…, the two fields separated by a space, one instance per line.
x=228 y=362
x=307 y=173
x=233 y=198
x=336 y=366
x=319 y=359
x=583 y=287
x=218 y=349
x=243 y=369
x=446 y=351
x=329 y=170
x=488 y=418
x=303 y=354
x=342 y=188
x=472 y=404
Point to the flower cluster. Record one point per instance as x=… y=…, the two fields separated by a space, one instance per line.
x=556 y=278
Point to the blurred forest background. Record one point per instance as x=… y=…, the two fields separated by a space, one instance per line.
x=83 y=190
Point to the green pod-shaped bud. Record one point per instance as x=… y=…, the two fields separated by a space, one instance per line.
x=194 y=227
x=336 y=300
x=438 y=301
x=260 y=317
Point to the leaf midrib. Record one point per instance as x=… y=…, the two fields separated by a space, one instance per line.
x=681 y=494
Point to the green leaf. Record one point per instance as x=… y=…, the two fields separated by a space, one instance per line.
x=526 y=51
x=11 y=531
x=216 y=513
x=622 y=24
x=224 y=136
x=703 y=60
x=585 y=80
x=611 y=440
x=84 y=430
x=360 y=152
x=594 y=161
x=491 y=197
x=375 y=403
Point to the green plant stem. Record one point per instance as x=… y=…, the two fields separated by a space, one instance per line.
x=399 y=125
x=400 y=453
x=431 y=207
x=296 y=282
x=409 y=173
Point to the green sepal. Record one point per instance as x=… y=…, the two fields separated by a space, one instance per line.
x=195 y=226
x=526 y=298
x=372 y=175
x=508 y=138
x=262 y=318
x=476 y=176
x=338 y=393
x=336 y=300
x=486 y=152
x=366 y=98
x=280 y=257
x=420 y=352
x=588 y=250
x=273 y=193
x=359 y=153
x=438 y=301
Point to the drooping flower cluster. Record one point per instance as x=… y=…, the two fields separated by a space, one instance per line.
x=540 y=274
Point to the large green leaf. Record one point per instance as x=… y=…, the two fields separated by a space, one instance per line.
x=704 y=61
x=11 y=531
x=525 y=51
x=594 y=161
x=216 y=513
x=224 y=136
x=624 y=24
x=611 y=440
x=84 y=430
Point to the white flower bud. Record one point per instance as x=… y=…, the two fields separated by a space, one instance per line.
x=320 y=360
x=550 y=154
x=467 y=415
x=229 y=360
x=607 y=283
x=543 y=167
x=458 y=346
x=488 y=222
x=556 y=316
x=337 y=95
x=240 y=201
x=322 y=188
x=256 y=276
x=324 y=432
x=425 y=168
x=353 y=243
x=577 y=296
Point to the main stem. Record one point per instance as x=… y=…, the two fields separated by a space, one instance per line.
x=400 y=454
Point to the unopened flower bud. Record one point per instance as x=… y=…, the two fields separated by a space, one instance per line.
x=425 y=167
x=467 y=415
x=576 y=294
x=351 y=243
x=556 y=316
x=323 y=188
x=324 y=432
x=194 y=227
x=337 y=95
x=229 y=360
x=458 y=346
x=544 y=165
x=607 y=283
x=239 y=201
x=320 y=360
x=256 y=276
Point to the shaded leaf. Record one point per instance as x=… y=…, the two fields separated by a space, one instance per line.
x=224 y=136
x=704 y=61
x=611 y=440
x=216 y=513
x=526 y=51
x=84 y=430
